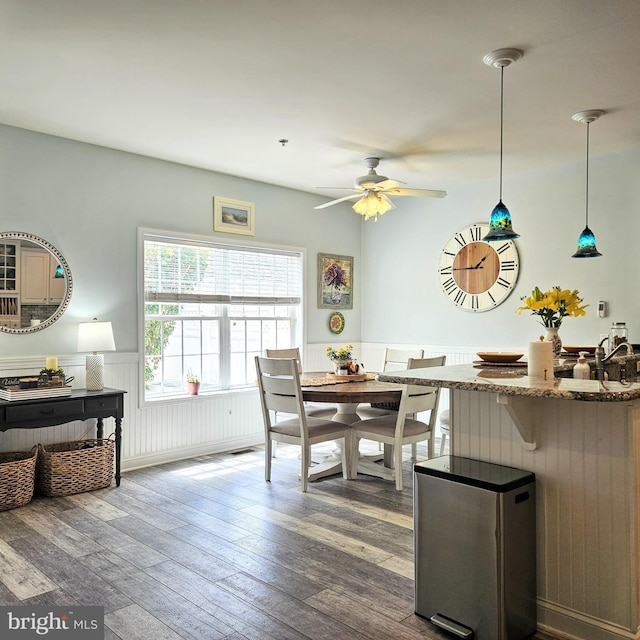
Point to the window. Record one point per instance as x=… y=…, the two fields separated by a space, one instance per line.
x=210 y=308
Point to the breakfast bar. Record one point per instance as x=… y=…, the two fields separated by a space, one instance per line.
x=581 y=438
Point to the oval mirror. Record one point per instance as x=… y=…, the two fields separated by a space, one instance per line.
x=35 y=283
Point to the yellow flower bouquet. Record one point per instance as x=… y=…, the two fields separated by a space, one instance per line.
x=343 y=353
x=553 y=305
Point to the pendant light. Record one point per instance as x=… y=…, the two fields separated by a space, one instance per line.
x=500 y=223
x=587 y=241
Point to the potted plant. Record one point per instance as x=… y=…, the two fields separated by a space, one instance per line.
x=193 y=383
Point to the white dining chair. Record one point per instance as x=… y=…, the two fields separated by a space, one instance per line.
x=402 y=427
x=314 y=409
x=394 y=360
x=279 y=384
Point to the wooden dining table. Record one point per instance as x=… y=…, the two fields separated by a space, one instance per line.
x=347 y=395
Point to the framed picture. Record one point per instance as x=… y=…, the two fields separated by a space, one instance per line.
x=234 y=216
x=335 y=281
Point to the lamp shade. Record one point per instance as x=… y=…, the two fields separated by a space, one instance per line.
x=95 y=336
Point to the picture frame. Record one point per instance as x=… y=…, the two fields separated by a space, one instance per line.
x=234 y=216
x=335 y=281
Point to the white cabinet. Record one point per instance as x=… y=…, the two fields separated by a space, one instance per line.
x=38 y=283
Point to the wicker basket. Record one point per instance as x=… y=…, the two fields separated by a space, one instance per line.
x=74 y=467
x=17 y=478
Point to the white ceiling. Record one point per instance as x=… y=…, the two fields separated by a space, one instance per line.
x=216 y=83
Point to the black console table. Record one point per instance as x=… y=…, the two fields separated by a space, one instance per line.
x=80 y=405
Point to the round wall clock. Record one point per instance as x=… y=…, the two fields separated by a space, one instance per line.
x=475 y=275
x=336 y=322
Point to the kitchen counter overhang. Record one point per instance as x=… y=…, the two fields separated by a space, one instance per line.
x=514 y=381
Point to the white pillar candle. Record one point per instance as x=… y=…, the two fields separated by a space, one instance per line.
x=540 y=363
x=51 y=362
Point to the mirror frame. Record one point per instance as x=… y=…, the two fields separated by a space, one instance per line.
x=62 y=307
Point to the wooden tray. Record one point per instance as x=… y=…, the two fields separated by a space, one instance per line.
x=354 y=377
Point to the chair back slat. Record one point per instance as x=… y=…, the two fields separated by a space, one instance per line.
x=396 y=359
x=279 y=383
x=285 y=353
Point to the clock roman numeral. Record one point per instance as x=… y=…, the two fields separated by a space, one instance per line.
x=449 y=285
x=492 y=298
x=475 y=234
x=460 y=240
x=504 y=283
x=460 y=297
x=446 y=271
x=508 y=265
x=474 y=302
x=502 y=248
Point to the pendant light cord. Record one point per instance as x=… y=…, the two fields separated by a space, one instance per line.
x=587 y=181
x=501 y=123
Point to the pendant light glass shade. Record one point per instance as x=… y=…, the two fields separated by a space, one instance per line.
x=587 y=241
x=500 y=227
x=586 y=245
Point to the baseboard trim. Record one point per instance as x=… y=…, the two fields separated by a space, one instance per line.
x=183 y=453
x=573 y=625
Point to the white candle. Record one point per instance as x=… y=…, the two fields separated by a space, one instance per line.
x=540 y=363
x=51 y=362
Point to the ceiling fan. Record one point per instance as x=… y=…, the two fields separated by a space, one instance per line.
x=373 y=191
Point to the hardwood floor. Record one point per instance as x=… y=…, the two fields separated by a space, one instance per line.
x=206 y=549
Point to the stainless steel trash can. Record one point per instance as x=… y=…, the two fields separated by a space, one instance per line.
x=474 y=538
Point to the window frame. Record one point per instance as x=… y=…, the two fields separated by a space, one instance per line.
x=145 y=233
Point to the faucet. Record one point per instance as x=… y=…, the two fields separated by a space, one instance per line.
x=601 y=358
x=622 y=345
x=599 y=369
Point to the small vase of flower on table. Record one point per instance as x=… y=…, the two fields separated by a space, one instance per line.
x=344 y=364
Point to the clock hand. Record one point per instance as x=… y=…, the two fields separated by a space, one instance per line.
x=479 y=263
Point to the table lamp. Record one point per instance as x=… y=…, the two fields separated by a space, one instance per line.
x=95 y=336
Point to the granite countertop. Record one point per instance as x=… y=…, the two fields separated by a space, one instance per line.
x=514 y=381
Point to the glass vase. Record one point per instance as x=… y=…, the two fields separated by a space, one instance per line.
x=553 y=337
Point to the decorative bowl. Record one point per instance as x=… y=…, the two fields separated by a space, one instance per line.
x=573 y=349
x=499 y=356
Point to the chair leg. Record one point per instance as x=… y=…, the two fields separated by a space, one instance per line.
x=397 y=462
x=347 y=457
x=414 y=451
x=443 y=441
x=355 y=454
x=267 y=459
x=304 y=467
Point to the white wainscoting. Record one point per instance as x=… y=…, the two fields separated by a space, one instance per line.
x=165 y=431
x=153 y=433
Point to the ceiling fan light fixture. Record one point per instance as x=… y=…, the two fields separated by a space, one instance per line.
x=500 y=227
x=372 y=205
x=587 y=241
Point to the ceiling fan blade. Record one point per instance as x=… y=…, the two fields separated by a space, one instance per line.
x=332 y=202
x=385 y=185
x=430 y=193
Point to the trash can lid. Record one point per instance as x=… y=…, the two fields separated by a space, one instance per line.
x=475 y=473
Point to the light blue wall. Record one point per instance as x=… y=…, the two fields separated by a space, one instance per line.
x=88 y=202
x=403 y=301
